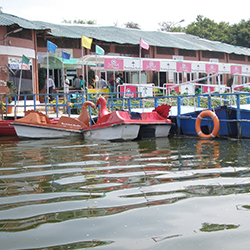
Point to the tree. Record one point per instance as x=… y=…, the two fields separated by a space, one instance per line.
x=208 y=29
x=171 y=26
x=240 y=34
x=91 y=22
x=236 y=34
x=132 y=25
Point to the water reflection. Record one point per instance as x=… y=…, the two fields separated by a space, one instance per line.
x=161 y=190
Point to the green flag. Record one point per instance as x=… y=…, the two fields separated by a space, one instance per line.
x=99 y=50
x=25 y=60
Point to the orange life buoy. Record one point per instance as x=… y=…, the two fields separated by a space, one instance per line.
x=216 y=122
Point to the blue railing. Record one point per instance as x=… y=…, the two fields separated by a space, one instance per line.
x=71 y=103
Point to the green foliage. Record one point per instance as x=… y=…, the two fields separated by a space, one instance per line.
x=2 y=107
x=236 y=34
x=155 y=79
x=91 y=76
x=245 y=89
x=208 y=29
x=171 y=26
x=13 y=90
x=79 y=21
x=132 y=25
x=41 y=78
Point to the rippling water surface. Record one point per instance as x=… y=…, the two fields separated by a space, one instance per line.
x=171 y=193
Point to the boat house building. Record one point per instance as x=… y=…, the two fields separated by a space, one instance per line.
x=176 y=57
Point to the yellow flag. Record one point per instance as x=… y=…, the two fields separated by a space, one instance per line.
x=86 y=42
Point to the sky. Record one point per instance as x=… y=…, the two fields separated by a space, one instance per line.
x=147 y=13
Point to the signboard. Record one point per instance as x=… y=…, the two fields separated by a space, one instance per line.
x=207 y=89
x=113 y=64
x=224 y=68
x=235 y=69
x=168 y=66
x=212 y=68
x=183 y=67
x=131 y=64
x=128 y=91
x=146 y=90
x=16 y=63
x=151 y=65
x=198 y=67
x=246 y=69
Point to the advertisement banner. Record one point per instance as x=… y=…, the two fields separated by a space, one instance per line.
x=184 y=67
x=128 y=91
x=235 y=69
x=151 y=65
x=131 y=64
x=224 y=68
x=212 y=68
x=16 y=63
x=145 y=90
x=246 y=69
x=113 y=64
x=168 y=66
x=208 y=89
x=198 y=67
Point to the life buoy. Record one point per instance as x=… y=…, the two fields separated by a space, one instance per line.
x=216 y=122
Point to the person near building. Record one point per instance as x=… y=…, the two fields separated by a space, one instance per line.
x=103 y=83
x=51 y=86
x=66 y=84
x=77 y=83
x=119 y=79
x=112 y=83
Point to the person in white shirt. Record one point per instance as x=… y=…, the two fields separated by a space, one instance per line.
x=66 y=84
x=51 y=86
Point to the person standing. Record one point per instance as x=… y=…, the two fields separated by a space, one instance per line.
x=112 y=83
x=51 y=86
x=77 y=83
x=66 y=84
x=119 y=79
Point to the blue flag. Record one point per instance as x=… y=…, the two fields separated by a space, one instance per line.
x=65 y=55
x=51 y=47
x=99 y=50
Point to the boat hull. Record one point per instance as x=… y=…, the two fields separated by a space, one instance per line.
x=6 y=128
x=228 y=123
x=38 y=132
x=118 y=132
x=126 y=132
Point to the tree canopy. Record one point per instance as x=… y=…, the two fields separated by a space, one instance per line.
x=79 y=21
x=236 y=34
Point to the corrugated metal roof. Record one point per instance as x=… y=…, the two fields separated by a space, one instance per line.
x=125 y=36
x=132 y=36
x=8 y=19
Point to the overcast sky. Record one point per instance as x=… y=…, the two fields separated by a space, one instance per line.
x=148 y=14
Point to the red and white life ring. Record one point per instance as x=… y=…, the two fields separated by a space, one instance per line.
x=216 y=122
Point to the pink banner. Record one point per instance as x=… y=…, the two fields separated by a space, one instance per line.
x=113 y=64
x=176 y=89
x=207 y=89
x=128 y=90
x=212 y=68
x=236 y=69
x=183 y=67
x=151 y=65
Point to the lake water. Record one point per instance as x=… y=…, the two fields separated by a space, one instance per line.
x=169 y=193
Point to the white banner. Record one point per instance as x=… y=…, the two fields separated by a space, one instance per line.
x=146 y=90
x=168 y=66
x=131 y=64
x=198 y=67
x=15 y=63
x=224 y=68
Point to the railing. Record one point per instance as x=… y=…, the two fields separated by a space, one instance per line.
x=70 y=104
